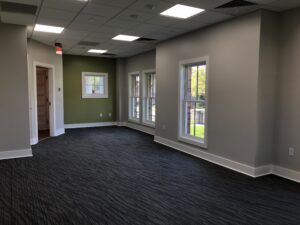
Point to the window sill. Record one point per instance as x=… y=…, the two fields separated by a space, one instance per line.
x=94 y=96
x=193 y=141
x=148 y=124
x=134 y=120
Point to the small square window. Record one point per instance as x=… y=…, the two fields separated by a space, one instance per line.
x=94 y=85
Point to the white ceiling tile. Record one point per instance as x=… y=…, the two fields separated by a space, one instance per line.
x=108 y=31
x=28 y=2
x=82 y=27
x=162 y=21
x=46 y=38
x=17 y=18
x=158 y=6
x=73 y=34
x=96 y=37
x=87 y=22
x=52 y=22
x=141 y=16
x=211 y=17
x=285 y=4
x=123 y=24
x=175 y=1
x=56 y=14
x=145 y=28
x=75 y=51
x=188 y=25
x=101 y=10
x=205 y=4
x=67 y=5
x=67 y=43
x=119 y=3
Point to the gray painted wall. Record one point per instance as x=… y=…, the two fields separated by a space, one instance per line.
x=120 y=74
x=38 y=52
x=233 y=48
x=136 y=63
x=288 y=118
x=14 y=116
x=267 y=79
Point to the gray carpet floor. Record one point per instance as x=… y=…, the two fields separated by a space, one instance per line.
x=120 y=176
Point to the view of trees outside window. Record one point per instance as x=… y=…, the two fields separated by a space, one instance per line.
x=94 y=84
x=135 y=96
x=195 y=87
x=150 y=87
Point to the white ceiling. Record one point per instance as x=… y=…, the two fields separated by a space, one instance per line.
x=100 y=20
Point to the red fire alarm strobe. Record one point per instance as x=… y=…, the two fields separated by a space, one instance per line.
x=58 y=48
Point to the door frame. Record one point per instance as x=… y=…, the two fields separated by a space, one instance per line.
x=51 y=83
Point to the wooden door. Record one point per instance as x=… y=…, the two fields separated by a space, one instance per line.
x=42 y=98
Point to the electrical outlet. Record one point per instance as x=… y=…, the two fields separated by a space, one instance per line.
x=164 y=127
x=109 y=114
x=291 y=151
x=101 y=115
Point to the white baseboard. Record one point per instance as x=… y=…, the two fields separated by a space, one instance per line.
x=230 y=164
x=138 y=127
x=286 y=173
x=16 y=154
x=59 y=132
x=87 y=125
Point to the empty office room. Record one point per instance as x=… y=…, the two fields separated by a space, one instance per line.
x=149 y=112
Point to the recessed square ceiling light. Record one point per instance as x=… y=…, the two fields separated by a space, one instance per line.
x=48 y=29
x=181 y=11
x=97 y=51
x=122 y=37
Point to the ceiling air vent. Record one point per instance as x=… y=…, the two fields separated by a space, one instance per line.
x=108 y=54
x=236 y=3
x=145 y=39
x=18 y=8
x=88 y=43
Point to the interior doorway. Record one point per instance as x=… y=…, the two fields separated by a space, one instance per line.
x=43 y=103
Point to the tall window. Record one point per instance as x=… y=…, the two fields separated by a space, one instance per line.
x=134 y=96
x=193 y=102
x=149 y=90
x=94 y=85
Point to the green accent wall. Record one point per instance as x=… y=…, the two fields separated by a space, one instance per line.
x=84 y=110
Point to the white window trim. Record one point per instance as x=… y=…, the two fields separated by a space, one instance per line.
x=181 y=131
x=84 y=95
x=144 y=74
x=131 y=119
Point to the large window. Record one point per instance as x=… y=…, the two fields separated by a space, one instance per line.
x=94 y=85
x=134 y=96
x=149 y=94
x=193 y=101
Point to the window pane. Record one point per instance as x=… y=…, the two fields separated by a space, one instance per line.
x=89 y=89
x=101 y=90
x=191 y=83
x=97 y=89
x=135 y=108
x=153 y=112
x=150 y=90
x=134 y=100
x=201 y=82
x=194 y=100
x=89 y=80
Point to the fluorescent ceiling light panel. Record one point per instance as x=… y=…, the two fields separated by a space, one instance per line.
x=181 y=11
x=122 y=37
x=48 y=29
x=97 y=51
